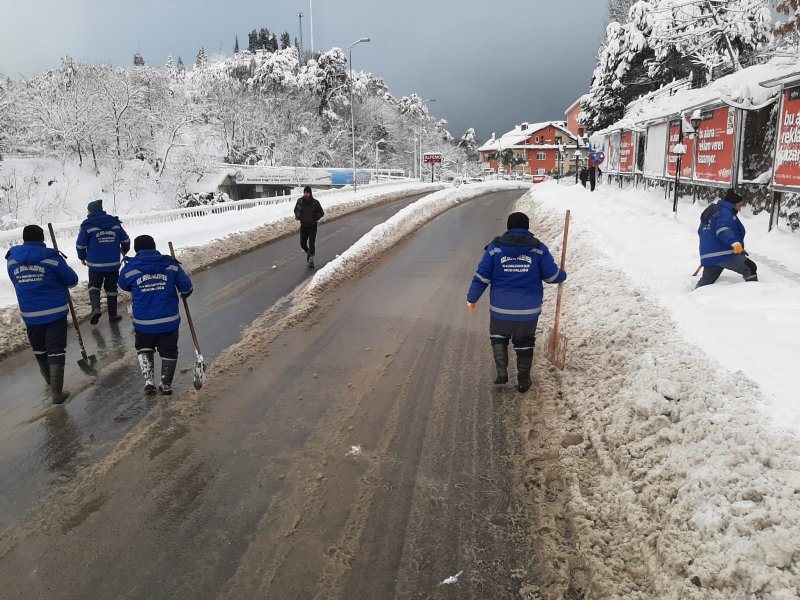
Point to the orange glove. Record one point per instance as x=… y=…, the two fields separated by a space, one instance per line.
x=471 y=307
x=737 y=248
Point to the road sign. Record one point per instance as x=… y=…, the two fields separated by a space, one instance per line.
x=434 y=158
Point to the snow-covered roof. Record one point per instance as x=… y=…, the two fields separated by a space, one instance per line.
x=739 y=89
x=518 y=136
x=574 y=104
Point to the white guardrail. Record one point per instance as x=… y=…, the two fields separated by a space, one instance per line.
x=70 y=229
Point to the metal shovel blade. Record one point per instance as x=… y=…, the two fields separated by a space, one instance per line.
x=555 y=347
x=87 y=364
x=199 y=372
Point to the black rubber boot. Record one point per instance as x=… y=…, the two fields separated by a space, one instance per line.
x=167 y=373
x=44 y=369
x=148 y=371
x=57 y=384
x=113 y=316
x=524 y=364
x=500 y=352
x=94 y=298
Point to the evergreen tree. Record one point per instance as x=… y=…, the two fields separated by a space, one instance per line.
x=200 y=60
x=286 y=40
x=263 y=38
x=236 y=46
x=273 y=43
x=170 y=65
x=252 y=41
x=181 y=67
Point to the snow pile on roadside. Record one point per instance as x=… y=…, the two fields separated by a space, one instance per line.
x=206 y=241
x=752 y=328
x=405 y=222
x=681 y=485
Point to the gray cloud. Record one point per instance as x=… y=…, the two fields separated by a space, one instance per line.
x=490 y=65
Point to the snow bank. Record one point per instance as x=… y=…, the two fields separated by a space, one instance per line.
x=205 y=241
x=408 y=220
x=750 y=328
x=682 y=487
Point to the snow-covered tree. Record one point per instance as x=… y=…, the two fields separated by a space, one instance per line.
x=286 y=40
x=790 y=27
x=663 y=40
x=201 y=59
x=181 y=68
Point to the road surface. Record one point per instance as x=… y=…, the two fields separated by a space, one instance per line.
x=365 y=456
x=41 y=444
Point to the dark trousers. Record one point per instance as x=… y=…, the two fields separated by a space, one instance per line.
x=592 y=182
x=106 y=280
x=308 y=238
x=521 y=333
x=738 y=263
x=166 y=344
x=49 y=341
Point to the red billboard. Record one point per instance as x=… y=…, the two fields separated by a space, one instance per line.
x=626 y=152
x=716 y=140
x=672 y=158
x=786 y=172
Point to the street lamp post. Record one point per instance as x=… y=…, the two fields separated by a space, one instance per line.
x=577 y=157
x=352 y=108
x=377 y=144
x=680 y=149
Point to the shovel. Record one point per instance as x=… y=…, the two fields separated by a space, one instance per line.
x=555 y=344
x=199 y=365
x=87 y=362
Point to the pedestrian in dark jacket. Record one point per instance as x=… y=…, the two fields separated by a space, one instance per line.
x=41 y=279
x=594 y=172
x=154 y=281
x=515 y=265
x=308 y=211
x=101 y=241
x=584 y=176
x=722 y=241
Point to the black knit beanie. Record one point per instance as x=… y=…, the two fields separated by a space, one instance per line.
x=33 y=233
x=144 y=242
x=518 y=220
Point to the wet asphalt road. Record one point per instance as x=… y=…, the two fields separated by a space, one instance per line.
x=42 y=445
x=255 y=496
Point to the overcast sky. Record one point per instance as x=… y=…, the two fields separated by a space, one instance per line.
x=489 y=64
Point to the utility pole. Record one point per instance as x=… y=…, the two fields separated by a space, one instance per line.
x=311 y=20
x=300 y=17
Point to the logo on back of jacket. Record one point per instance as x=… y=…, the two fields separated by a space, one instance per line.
x=156 y=282
x=106 y=237
x=516 y=264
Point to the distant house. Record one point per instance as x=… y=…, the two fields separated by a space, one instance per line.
x=537 y=145
x=573 y=112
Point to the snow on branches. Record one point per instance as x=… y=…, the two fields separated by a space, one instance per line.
x=663 y=40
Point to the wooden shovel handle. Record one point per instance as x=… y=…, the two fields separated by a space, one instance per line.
x=561 y=285
x=186 y=309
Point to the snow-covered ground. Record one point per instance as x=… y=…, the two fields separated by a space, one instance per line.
x=677 y=484
x=752 y=328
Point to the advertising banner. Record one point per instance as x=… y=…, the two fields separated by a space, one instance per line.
x=786 y=170
x=627 y=152
x=654 y=154
x=716 y=142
